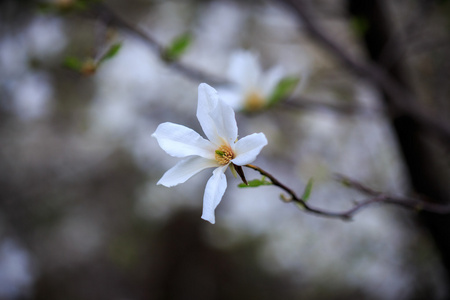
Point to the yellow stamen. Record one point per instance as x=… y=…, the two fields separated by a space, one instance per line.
x=224 y=155
x=254 y=101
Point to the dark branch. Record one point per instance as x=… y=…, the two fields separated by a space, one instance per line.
x=402 y=100
x=110 y=18
x=375 y=197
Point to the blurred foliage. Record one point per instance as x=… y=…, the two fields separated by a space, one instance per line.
x=255 y=183
x=178 y=47
x=283 y=89
x=308 y=190
x=89 y=66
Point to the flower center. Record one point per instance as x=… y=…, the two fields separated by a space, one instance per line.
x=224 y=154
x=254 y=101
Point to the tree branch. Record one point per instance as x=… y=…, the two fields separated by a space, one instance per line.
x=375 y=197
x=110 y=18
x=402 y=100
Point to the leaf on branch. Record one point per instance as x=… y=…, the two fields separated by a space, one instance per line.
x=112 y=51
x=86 y=67
x=65 y=6
x=308 y=189
x=255 y=183
x=283 y=89
x=73 y=63
x=178 y=47
x=284 y=198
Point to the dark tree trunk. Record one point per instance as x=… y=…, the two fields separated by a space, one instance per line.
x=422 y=162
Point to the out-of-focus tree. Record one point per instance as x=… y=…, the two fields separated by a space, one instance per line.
x=354 y=87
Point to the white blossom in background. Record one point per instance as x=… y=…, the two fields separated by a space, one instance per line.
x=250 y=87
x=31 y=96
x=46 y=37
x=222 y=149
x=16 y=275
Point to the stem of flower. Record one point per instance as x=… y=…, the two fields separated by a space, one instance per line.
x=375 y=197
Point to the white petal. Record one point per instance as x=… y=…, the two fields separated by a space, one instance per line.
x=185 y=169
x=207 y=101
x=216 y=118
x=225 y=122
x=180 y=141
x=271 y=79
x=244 y=69
x=233 y=96
x=247 y=148
x=215 y=188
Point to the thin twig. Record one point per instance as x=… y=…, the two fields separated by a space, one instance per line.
x=376 y=197
x=403 y=100
x=110 y=18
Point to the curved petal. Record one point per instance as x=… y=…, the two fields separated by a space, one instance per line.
x=225 y=123
x=180 y=141
x=215 y=188
x=185 y=169
x=247 y=148
x=207 y=101
x=216 y=118
x=244 y=69
x=270 y=80
x=233 y=96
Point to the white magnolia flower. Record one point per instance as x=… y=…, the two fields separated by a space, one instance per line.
x=222 y=149
x=251 y=87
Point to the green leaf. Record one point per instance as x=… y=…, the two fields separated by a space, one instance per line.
x=64 y=7
x=112 y=51
x=178 y=46
x=73 y=63
x=283 y=89
x=255 y=183
x=308 y=190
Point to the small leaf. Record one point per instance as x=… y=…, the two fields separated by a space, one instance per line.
x=285 y=199
x=254 y=183
x=73 y=63
x=65 y=6
x=112 y=51
x=283 y=89
x=178 y=46
x=308 y=190
x=89 y=67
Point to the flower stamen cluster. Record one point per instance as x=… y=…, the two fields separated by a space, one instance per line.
x=254 y=101
x=221 y=150
x=224 y=155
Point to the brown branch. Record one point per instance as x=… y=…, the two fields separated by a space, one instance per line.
x=375 y=197
x=422 y=115
x=105 y=15
x=403 y=100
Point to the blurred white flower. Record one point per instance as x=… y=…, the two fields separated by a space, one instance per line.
x=16 y=275
x=220 y=151
x=251 y=89
x=32 y=96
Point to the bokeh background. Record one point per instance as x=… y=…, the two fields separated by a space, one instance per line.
x=81 y=216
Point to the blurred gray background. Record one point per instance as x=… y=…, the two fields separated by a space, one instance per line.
x=81 y=216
